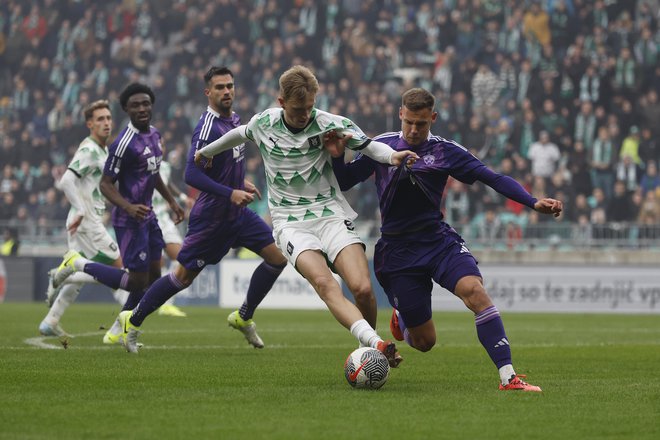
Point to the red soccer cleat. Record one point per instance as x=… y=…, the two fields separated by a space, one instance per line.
x=517 y=384
x=389 y=350
x=394 y=326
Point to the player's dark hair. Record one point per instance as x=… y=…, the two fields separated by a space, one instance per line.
x=418 y=99
x=213 y=71
x=134 y=89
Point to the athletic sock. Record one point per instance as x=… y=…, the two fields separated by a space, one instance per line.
x=110 y=276
x=262 y=281
x=403 y=328
x=159 y=292
x=506 y=374
x=79 y=278
x=365 y=334
x=490 y=331
x=120 y=295
x=66 y=297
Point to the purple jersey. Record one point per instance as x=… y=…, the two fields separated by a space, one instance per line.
x=416 y=205
x=228 y=170
x=133 y=161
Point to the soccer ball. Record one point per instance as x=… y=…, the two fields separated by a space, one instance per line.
x=366 y=368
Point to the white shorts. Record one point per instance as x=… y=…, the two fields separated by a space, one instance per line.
x=328 y=234
x=93 y=241
x=170 y=231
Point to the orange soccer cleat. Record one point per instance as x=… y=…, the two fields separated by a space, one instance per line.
x=517 y=384
x=394 y=326
x=389 y=350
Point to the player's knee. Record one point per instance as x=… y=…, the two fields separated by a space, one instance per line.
x=324 y=285
x=475 y=297
x=362 y=292
x=423 y=342
x=137 y=282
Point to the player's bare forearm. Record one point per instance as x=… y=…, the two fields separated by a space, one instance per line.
x=110 y=192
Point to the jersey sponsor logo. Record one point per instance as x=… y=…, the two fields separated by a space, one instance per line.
x=142 y=256
x=314 y=141
x=289 y=248
x=349 y=225
x=429 y=159
x=239 y=152
x=153 y=164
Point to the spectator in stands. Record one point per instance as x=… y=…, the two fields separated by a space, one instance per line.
x=602 y=162
x=544 y=156
x=10 y=243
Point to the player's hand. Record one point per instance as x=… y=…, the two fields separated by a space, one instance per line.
x=73 y=227
x=202 y=161
x=549 y=206
x=138 y=212
x=179 y=214
x=335 y=143
x=241 y=198
x=252 y=189
x=409 y=156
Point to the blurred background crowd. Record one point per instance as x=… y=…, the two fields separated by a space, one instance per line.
x=560 y=94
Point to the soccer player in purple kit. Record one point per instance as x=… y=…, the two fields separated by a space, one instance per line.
x=133 y=163
x=219 y=220
x=417 y=246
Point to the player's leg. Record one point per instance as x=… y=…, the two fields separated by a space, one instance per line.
x=50 y=325
x=313 y=266
x=351 y=264
x=173 y=241
x=410 y=295
x=257 y=236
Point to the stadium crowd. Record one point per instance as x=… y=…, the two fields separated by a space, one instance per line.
x=560 y=94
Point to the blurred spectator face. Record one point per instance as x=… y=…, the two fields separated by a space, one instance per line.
x=100 y=125
x=220 y=92
x=415 y=125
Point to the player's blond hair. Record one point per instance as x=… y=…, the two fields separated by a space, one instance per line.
x=418 y=99
x=297 y=83
x=92 y=107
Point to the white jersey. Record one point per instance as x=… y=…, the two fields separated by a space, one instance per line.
x=158 y=203
x=301 y=184
x=88 y=163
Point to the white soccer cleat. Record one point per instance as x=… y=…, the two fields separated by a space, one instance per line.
x=248 y=328
x=52 y=291
x=51 y=330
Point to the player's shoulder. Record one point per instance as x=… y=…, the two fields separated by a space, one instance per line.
x=450 y=144
x=388 y=138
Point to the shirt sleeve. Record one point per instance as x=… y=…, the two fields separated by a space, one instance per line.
x=82 y=163
x=350 y=174
x=113 y=164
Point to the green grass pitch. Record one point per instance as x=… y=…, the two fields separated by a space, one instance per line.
x=196 y=378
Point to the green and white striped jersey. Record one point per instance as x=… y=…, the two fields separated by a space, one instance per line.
x=158 y=203
x=301 y=184
x=88 y=163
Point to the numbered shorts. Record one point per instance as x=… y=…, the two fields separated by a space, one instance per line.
x=327 y=234
x=407 y=266
x=207 y=242
x=140 y=245
x=170 y=231
x=94 y=242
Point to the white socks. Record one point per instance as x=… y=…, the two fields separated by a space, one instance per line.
x=506 y=372
x=67 y=296
x=120 y=296
x=79 y=263
x=365 y=334
x=79 y=278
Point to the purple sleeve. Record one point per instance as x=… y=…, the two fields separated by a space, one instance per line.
x=505 y=185
x=197 y=179
x=350 y=174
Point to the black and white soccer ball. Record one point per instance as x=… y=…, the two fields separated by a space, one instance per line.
x=366 y=368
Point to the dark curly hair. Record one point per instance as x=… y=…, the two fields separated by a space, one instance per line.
x=133 y=89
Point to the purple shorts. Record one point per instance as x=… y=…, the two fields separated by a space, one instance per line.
x=406 y=266
x=207 y=242
x=140 y=245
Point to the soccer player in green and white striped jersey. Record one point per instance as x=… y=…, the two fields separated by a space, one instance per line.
x=86 y=232
x=312 y=222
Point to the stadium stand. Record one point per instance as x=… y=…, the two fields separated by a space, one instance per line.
x=584 y=72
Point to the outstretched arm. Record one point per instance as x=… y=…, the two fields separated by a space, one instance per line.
x=233 y=138
x=511 y=189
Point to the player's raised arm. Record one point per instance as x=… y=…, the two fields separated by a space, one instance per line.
x=231 y=139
